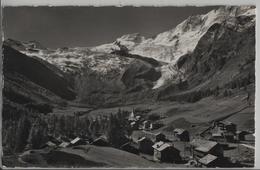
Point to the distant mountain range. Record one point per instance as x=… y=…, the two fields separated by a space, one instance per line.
x=203 y=53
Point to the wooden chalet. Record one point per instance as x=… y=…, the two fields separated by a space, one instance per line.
x=145 y=145
x=165 y=152
x=181 y=135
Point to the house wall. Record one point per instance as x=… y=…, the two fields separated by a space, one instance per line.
x=146 y=147
x=170 y=155
x=157 y=155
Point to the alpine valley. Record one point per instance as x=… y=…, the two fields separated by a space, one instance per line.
x=201 y=71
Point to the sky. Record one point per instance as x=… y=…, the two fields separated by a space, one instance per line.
x=69 y=26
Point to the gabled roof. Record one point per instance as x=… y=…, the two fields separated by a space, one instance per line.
x=208 y=159
x=217 y=135
x=164 y=146
x=75 y=140
x=157 y=144
x=160 y=146
x=203 y=145
x=128 y=144
x=142 y=138
x=64 y=144
x=179 y=131
x=159 y=133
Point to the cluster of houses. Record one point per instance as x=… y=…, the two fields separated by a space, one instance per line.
x=63 y=142
x=202 y=152
x=206 y=153
x=226 y=131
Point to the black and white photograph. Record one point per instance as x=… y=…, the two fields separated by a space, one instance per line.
x=129 y=86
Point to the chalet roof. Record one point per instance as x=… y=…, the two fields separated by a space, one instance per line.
x=157 y=144
x=203 y=145
x=159 y=133
x=142 y=138
x=128 y=144
x=179 y=131
x=160 y=146
x=75 y=140
x=208 y=159
x=64 y=144
x=217 y=134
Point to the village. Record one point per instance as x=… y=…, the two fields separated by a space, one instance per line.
x=219 y=145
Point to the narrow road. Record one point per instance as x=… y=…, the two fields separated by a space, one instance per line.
x=248 y=146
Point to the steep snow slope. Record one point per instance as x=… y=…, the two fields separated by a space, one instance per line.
x=170 y=45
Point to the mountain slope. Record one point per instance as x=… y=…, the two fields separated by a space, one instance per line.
x=224 y=55
x=40 y=73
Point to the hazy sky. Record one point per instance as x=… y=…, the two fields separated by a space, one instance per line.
x=89 y=26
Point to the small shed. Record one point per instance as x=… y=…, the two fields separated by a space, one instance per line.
x=165 y=152
x=130 y=147
x=145 y=145
x=209 y=161
x=101 y=141
x=181 y=134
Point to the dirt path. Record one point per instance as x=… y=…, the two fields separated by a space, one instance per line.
x=248 y=146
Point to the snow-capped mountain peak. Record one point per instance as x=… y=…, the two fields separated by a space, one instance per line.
x=170 y=45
